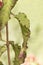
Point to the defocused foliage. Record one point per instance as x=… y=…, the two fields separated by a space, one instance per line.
x=1 y=63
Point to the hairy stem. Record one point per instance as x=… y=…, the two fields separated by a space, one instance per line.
x=7 y=42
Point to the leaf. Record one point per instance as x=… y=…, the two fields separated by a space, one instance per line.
x=22 y=18
x=25 y=25
x=5 y=11
x=2 y=49
x=17 y=49
x=25 y=32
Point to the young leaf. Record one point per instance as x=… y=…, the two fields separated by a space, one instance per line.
x=5 y=11
x=25 y=25
x=22 y=18
x=17 y=49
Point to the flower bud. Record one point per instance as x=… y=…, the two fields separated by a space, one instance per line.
x=1 y=3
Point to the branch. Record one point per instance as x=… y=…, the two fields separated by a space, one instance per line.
x=7 y=42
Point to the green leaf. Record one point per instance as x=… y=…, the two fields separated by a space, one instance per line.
x=22 y=18
x=17 y=49
x=25 y=25
x=25 y=32
x=25 y=28
x=2 y=49
x=5 y=11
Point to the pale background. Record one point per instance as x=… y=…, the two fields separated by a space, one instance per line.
x=34 y=11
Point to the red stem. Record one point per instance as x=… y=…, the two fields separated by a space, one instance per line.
x=7 y=42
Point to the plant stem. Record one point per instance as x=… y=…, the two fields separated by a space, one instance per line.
x=7 y=42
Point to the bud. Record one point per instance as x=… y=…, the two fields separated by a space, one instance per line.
x=22 y=54
x=1 y=3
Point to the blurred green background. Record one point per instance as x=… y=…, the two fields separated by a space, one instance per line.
x=34 y=11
